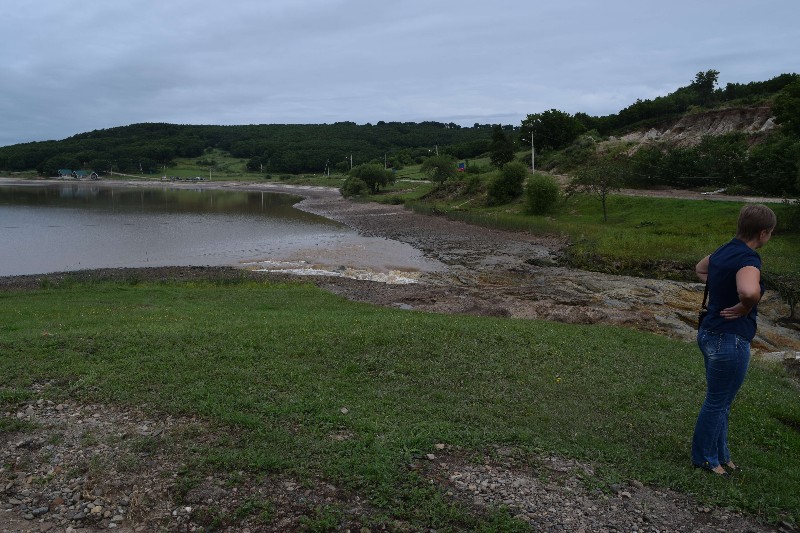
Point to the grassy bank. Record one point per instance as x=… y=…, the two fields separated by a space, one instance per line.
x=218 y=165
x=279 y=362
x=647 y=236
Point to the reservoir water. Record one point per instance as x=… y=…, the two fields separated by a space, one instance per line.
x=75 y=226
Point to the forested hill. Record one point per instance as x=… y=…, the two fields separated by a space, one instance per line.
x=701 y=93
x=296 y=148
x=290 y=148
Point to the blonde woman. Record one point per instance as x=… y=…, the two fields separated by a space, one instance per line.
x=733 y=275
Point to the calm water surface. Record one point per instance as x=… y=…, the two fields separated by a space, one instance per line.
x=75 y=226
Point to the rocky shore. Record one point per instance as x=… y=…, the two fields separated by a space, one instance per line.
x=72 y=467
x=498 y=273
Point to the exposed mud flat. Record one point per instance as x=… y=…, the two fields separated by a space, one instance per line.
x=479 y=271
x=500 y=273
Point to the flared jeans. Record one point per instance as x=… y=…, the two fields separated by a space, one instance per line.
x=726 y=357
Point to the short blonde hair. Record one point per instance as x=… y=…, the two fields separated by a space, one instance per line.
x=753 y=219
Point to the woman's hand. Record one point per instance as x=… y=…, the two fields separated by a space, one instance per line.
x=749 y=290
x=737 y=311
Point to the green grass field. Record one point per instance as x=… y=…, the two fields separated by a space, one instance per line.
x=228 y=168
x=278 y=362
x=640 y=232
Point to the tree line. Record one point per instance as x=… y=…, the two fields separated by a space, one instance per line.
x=554 y=129
x=285 y=148
x=564 y=139
x=767 y=163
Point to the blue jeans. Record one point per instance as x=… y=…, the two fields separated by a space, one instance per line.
x=726 y=357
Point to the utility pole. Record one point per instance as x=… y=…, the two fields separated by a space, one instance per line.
x=533 y=168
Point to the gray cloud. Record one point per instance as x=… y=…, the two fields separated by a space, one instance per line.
x=70 y=66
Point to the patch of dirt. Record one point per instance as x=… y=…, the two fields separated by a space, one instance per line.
x=89 y=467
x=555 y=494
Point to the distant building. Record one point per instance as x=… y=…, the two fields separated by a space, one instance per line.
x=81 y=174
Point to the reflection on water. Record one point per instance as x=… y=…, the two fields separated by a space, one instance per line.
x=165 y=200
x=75 y=226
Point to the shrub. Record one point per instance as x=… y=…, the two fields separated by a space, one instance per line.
x=789 y=289
x=474 y=184
x=440 y=168
x=737 y=189
x=773 y=166
x=508 y=184
x=354 y=187
x=374 y=175
x=541 y=194
x=793 y=220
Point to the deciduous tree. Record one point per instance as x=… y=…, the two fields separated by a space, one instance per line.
x=704 y=84
x=787 y=107
x=508 y=184
x=440 y=168
x=501 y=149
x=552 y=129
x=541 y=194
x=375 y=176
x=604 y=176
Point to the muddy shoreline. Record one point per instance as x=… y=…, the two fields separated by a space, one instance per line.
x=501 y=273
x=488 y=272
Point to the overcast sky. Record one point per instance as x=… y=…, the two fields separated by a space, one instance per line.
x=70 y=66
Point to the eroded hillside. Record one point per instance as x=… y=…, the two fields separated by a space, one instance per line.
x=692 y=127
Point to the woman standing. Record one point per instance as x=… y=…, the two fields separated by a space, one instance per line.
x=733 y=275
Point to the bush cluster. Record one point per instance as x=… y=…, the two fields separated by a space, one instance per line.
x=541 y=194
x=793 y=218
x=353 y=186
x=508 y=185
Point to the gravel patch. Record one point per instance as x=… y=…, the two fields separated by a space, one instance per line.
x=553 y=494
x=75 y=467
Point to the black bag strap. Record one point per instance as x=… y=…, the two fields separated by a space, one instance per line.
x=705 y=297
x=705 y=293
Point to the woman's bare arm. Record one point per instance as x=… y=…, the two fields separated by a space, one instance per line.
x=749 y=288
x=701 y=269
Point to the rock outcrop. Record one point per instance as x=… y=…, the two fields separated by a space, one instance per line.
x=691 y=128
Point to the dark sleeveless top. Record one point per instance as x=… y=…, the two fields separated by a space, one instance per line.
x=722 y=268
